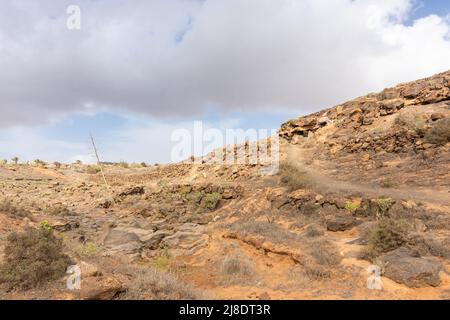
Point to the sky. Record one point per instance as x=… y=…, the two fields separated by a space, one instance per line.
x=134 y=72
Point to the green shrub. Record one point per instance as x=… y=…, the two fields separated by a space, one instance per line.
x=89 y=250
x=211 y=200
x=45 y=225
x=33 y=258
x=383 y=205
x=351 y=206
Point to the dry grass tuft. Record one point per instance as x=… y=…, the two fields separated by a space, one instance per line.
x=152 y=284
x=33 y=258
x=325 y=259
x=270 y=231
x=10 y=209
x=293 y=177
x=235 y=270
x=439 y=133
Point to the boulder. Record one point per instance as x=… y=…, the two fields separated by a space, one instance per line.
x=340 y=222
x=100 y=288
x=89 y=270
x=405 y=267
x=125 y=240
x=189 y=239
x=153 y=240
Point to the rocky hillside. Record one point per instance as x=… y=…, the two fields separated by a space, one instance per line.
x=362 y=185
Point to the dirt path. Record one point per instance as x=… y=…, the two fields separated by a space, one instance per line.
x=323 y=182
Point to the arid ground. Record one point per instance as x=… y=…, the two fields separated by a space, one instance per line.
x=365 y=183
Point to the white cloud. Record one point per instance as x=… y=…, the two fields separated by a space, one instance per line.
x=237 y=55
x=30 y=143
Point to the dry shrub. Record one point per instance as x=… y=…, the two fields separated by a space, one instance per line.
x=388 y=235
x=235 y=270
x=211 y=200
x=410 y=121
x=33 y=258
x=324 y=253
x=60 y=210
x=293 y=177
x=314 y=230
x=152 y=284
x=325 y=258
x=270 y=231
x=439 y=133
x=9 y=208
x=93 y=169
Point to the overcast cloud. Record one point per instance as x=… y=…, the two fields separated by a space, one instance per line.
x=174 y=58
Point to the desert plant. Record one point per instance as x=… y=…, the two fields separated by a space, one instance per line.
x=15 y=160
x=3 y=162
x=235 y=269
x=33 y=258
x=143 y=165
x=324 y=258
x=162 y=262
x=92 y=170
x=9 y=208
x=196 y=197
x=211 y=200
x=39 y=163
x=383 y=205
x=387 y=183
x=324 y=252
x=270 y=231
x=152 y=284
x=123 y=164
x=351 y=206
x=89 y=250
x=294 y=178
x=57 y=164
x=313 y=230
x=388 y=235
x=439 y=133
x=60 y=210
x=45 y=225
